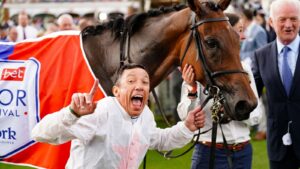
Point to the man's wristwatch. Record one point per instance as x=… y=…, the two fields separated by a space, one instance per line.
x=192 y=91
x=192 y=94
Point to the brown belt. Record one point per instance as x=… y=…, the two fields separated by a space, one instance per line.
x=232 y=147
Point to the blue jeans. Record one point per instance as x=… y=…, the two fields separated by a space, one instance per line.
x=240 y=159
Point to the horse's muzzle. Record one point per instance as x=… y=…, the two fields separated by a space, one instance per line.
x=244 y=108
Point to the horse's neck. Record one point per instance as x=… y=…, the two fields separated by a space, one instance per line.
x=157 y=46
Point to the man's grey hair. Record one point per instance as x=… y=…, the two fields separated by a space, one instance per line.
x=62 y=17
x=279 y=3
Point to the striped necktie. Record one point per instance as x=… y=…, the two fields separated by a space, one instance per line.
x=287 y=76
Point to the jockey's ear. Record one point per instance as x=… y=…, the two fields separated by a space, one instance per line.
x=115 y=91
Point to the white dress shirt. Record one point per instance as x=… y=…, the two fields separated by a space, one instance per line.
x=234 y=131
x=30 y=32
x=292 y=54
x=109 y=138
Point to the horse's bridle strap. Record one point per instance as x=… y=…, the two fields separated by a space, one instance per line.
x=209 y=75
x=209 y=20
x=219 y=73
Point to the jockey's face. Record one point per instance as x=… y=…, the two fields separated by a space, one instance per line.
x=132 y=90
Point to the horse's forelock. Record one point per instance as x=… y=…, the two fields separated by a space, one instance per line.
x=212 y=5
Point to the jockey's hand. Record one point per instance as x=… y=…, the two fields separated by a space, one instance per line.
x=188 y=75
x=195 y=119
x=82 y=103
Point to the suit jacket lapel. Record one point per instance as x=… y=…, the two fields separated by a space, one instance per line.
x=296 y=75
x=275 y=68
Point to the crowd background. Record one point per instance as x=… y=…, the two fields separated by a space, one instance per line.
x=13 y=18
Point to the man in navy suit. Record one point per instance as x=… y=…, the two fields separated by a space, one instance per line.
x=277 y=67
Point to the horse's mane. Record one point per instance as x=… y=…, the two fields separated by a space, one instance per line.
x=136 y=21
x=132 y=23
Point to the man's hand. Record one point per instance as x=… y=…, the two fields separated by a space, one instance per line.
x=195 y=119
x=82 y=103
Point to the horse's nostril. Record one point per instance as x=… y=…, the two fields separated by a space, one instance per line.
x=243 y=109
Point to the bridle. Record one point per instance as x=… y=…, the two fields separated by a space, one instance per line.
x=211 y=86
x=209 y=75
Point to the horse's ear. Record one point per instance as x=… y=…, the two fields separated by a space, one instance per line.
x=223 y=4
x=195 y=6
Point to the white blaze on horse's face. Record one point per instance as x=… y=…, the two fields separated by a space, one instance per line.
x=133 y=90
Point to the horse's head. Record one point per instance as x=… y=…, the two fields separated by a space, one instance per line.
x=214 y=54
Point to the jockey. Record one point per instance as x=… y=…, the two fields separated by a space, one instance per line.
x=114 y=132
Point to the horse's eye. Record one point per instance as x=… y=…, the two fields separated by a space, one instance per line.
x=211 y=43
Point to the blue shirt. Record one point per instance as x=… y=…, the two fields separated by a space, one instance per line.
x=292 y=54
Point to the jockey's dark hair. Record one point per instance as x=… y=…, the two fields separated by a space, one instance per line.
x=127 y=67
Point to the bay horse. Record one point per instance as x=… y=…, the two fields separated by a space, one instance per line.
x=164 y=38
